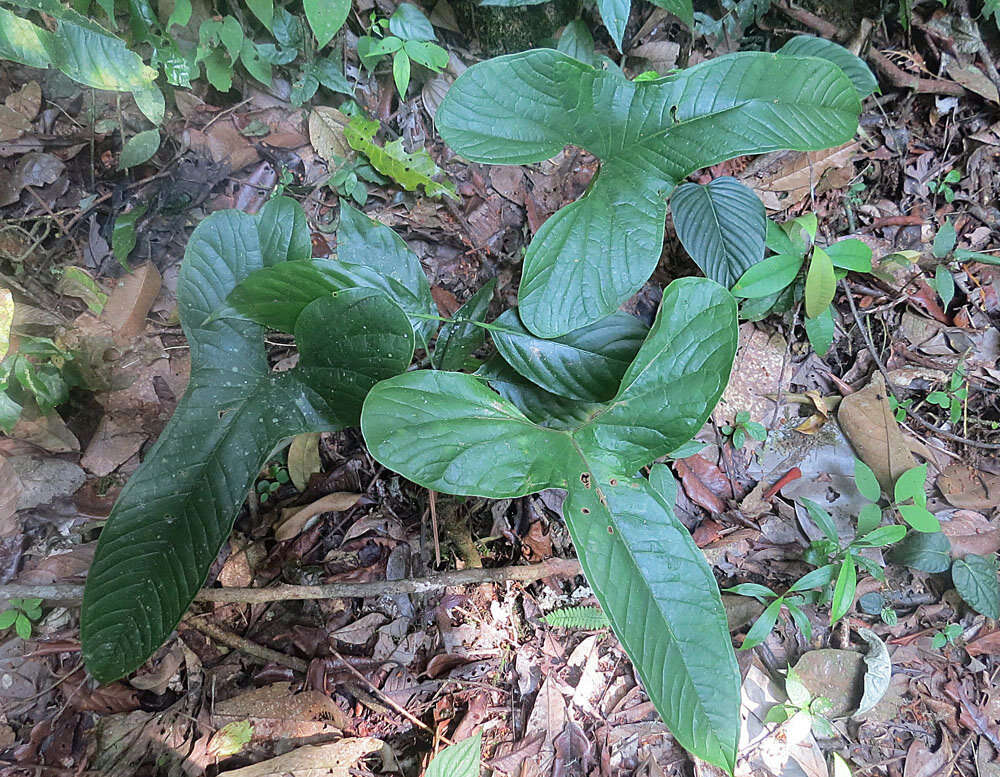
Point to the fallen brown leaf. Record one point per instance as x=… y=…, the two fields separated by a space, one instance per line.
x=10 y=492
x=294 y=519
x=303 y=459
x=326 y=132
x=871 y=428
x=278 y=713
x=27 y=100
x=336 y=759
x=970 y=532
x=965 y=487
x=130 y=301
x=704 y=483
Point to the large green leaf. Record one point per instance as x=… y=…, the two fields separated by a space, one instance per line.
x=596 y=252
x=451 y=433
x=325 y=18
x=284 y=231
x=614 y=14
x=459 y=338
x=810 y=46
x=721 y=225
x=176 y=511
x=586 y=364
x=23 y=42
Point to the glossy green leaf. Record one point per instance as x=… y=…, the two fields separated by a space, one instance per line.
x=152 y=103
x=851 y=254
x=409 y=23
x=820 y=331
x=458 y=760
x=264 y=11
x=664 y=482
x=683 y=9
x=593 y=254
x=855 y=68
x=449 y=432
x=721 y=225
x=869 y=517
x=428 y=54
x=866 y=481
x=284 y=231
x=944 y=240
x=590 y=618
x=880 y=537
x=586 y=364
x=768 y=276
x=458 y=340
x=577 y=42
x=139 y=148
x=821 y=284
x=763 y=625
x=910 y=485
x=178 y=508
x=944 y=284
x=541 y=406
x=843 y=590
x=325 y=18
x=818 y=578
x=409 y=170
x=123 y=234
x=975 y=579
x=927 y=552
x=401 y=72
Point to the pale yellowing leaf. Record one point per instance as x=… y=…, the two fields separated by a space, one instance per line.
x=6 y=319
x=303 y=459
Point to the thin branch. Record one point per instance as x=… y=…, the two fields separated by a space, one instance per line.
x=281 y=593
x=243 y=645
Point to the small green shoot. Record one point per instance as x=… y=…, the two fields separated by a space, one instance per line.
x=408 y=41
x=742 y=428
x=952 y=398
x=20 y=614
x=275 y=477
x=943 y=185
x=803 y=711
x=946 y=636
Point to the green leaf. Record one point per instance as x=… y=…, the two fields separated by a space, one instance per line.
x=965 y=255
x=929 y=553
x=539 y=405
x=400 y=76
x=721 y=225
x=663 y=481
x=818 y=578
x=595 y=253
x=910 y=485
x=152 y=104
x=458 y=760
x=6 y=320
x=759 y=592
x=428 y=54
x=866 y=481
x=880 y=537
x=768 y=276
x=944 y=240
x=139 y=148
x=823 y=520
x=796 y=690
x=409 y=23
x=944 y=284
x=975 y=579
x=614 y=14
x=284 y=231
x=920 y=518
x=408 y=170
x=682 y=9
x=800 y=619
x=23 y=42
x=325 y=18
x=577 y=618
x=763 y=625
x=821 y=283
x=10 y=413
x=820 y=331
x=123 y=234
x=181 y=14
x=855 y=68
x=586 y=364
x=177 y=509
x=7 y=618
x=457 y=340
x=869 y=517
x=577 y=42
x=843 y=591
x=851 y=254
x=371 y=50
x=449 y=432
x=22 y=626
x=264 y=11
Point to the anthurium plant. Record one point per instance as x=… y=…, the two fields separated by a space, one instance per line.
x=576 y=395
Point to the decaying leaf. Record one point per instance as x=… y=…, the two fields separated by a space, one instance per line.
x=131 y=300
x=868 y=422
x=971 y=532
x=294 y=520
x=878 y=673
x=336 y=759
x=27 y=100
x=408 y=170
x=968 y=488
x=10 y=492
x=326 y=132
x=303 y=459
x=277 y=713
x=782 y=178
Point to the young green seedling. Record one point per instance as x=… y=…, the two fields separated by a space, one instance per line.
x=20 y=614
x=802 y=711
x=409 y=40
x=742 y=428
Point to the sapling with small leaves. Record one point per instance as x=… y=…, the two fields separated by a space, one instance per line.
x=802 y=712
x=742 y=428
x=19 y=614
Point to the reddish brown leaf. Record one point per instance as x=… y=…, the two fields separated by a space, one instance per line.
x=705 y=484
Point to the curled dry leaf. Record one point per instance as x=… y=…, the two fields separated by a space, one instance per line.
x=782 y=178
x=705 y=484
x=871 y=428
x=294 y=520
x=303 y=459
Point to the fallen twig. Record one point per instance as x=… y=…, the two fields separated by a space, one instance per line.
x=282 y=593
x=236 y=642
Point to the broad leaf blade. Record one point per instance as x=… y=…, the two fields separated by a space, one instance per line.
x=721 y=225
x=447 y=431
x=975 y=579
x=178 y=508
x=663 y=603
x=586 y=364
x=458 y=760
x=854 y=67
x=614 y=14
x=325 y=18
x=284 y=231
x=592 y=255
x=674 y=382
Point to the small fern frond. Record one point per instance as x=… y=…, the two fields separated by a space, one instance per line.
x=577 y=618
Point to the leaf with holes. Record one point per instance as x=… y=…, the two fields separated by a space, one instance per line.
x=178 y=508
x=721 y=225
x=449 y=432
x=595 y=253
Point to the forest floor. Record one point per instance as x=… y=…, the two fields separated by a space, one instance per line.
x=416 y=670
